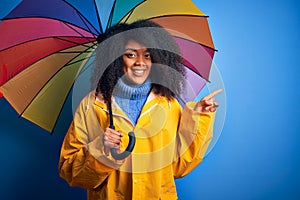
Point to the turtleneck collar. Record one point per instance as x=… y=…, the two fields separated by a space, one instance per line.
x=125 y=89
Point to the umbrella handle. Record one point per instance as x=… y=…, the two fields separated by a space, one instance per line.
x=128 y=150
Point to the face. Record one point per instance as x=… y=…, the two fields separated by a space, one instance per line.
x=136 y=62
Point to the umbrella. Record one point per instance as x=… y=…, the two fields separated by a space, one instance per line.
x=46 y=45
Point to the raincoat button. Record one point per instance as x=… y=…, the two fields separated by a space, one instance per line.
x=135 y=181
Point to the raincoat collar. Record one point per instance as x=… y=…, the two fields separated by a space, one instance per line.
x=151 y=101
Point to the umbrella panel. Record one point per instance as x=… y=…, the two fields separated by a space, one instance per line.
x=21 y=56
x=157 y=8
x=197 y=58
x=18 y=31
x=47 y=105
x=194 y=28
x=57 y=10
x=24 y=87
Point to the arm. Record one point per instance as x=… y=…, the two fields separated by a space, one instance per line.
x=194 y=135
x=83 y=162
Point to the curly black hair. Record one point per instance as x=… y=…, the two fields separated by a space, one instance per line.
x=167 y=72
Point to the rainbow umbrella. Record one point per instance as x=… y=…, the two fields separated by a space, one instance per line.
x=45 y=46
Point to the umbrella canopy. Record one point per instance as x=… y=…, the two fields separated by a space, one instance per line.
x=46 y=45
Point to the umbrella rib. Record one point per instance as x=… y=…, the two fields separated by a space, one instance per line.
x=71 y=63
x=41 y=39
x=110 y=16
x=61 y=108
x=131 y=11
x=68 y=25
x=198 y=73
x=87 y=66
x=86 y=51
x=55 y=123
x=66 y=40
x=82 y=17
x=48 y=54
x=87 y=29
x=129 y=14
x=61 y=52
x=197 y=43
x=87 y=26
x=182 y=37
x=46 y=84
x=83 y=70
x=98 y=17
x=188 y=15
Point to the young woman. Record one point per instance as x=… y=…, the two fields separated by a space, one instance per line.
x=139 y=75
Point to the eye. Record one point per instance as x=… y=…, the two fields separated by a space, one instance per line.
x=130 y=55
x=147 y=55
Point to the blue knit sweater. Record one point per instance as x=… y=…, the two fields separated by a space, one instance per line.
x=131 y=97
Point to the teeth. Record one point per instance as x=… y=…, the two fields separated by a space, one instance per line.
x=138 y=71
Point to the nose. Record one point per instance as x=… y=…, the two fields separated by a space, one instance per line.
x=140 y=60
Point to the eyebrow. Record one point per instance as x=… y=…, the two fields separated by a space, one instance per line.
x=130 y=49
x=135 y=50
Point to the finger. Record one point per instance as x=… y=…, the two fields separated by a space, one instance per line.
x=106 y=150
x=110 y=145
x=203 y=105
x=209 y=109
x=120 y=133
x=114 y=131
x=216 y=104
x=111 y=139
x=210 y=102
x=211 y=106
x=214 y=93
x=111 y=135
x=115 y=140
x=212 y=109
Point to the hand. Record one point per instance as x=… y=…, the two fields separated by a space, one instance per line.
x=111 y=139
x=207 y=103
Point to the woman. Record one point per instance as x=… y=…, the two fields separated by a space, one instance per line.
x=138 y=64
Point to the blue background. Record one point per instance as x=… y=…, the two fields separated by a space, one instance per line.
x=256 y=157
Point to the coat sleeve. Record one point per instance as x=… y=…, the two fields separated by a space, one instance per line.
x=195 y=133
x=82 y=160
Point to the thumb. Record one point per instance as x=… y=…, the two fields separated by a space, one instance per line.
x=106 y=150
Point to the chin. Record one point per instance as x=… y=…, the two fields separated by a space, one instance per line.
x=139 y=82
x=135 y=80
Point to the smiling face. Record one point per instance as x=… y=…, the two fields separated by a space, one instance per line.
x=136 y=62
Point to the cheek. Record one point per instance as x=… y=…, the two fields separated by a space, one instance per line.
x=149 y=63
x=126 y=65
x=125 y=70
x=149 y=67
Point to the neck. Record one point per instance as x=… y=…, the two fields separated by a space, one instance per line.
x=125 y=89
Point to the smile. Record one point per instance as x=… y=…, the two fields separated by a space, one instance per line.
x=138 y=72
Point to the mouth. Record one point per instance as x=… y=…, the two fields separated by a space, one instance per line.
x=138 y=72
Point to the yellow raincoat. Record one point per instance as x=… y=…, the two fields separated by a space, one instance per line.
x=170 y=143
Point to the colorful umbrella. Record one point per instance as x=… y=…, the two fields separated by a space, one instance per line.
x=46 y=45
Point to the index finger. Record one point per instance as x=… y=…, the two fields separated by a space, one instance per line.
x=214 y=93
x=119 y=133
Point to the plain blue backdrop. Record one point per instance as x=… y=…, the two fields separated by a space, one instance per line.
x=256 y=156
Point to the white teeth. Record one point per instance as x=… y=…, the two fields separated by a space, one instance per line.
x=138 y=71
